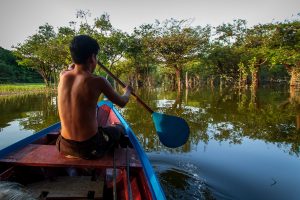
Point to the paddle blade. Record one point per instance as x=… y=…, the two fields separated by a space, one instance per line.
x=172 y=131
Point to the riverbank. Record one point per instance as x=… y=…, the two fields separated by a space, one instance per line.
x=23 y=88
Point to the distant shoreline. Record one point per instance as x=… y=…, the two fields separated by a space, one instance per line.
x=23 y=88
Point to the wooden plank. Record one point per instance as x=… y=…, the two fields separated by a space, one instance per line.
x=48 y=155
x=7 y=173
x=67 y=187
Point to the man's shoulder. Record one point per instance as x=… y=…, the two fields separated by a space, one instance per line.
x=64 y=72
x=97 y=78
x=97 y=82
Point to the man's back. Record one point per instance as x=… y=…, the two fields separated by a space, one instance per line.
x=78 y=94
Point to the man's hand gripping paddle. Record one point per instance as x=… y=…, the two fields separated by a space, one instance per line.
x=172 y=131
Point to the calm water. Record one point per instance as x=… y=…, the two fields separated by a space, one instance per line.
x=243 y=145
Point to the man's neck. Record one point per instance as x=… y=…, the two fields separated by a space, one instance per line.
x=82 y=68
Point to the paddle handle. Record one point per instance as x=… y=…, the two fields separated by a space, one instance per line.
x=123 y=85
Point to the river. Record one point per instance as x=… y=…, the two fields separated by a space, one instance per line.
x=242 y=145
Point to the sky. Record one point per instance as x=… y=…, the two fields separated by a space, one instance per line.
x=21 y=18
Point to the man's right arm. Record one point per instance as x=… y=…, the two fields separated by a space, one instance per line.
x=112 y=95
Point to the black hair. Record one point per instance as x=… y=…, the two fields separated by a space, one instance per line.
x=82 y=47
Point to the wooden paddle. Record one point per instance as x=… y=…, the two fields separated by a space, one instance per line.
x=172 y=131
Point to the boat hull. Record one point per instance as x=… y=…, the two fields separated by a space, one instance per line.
x=124 y=173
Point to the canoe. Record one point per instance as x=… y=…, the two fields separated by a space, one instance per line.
x=124 y=173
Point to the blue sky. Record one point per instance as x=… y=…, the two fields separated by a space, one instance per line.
x=20 y=19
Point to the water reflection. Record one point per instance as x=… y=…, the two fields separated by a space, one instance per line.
x=24 y=115
x=227 y=116
x=244 y=144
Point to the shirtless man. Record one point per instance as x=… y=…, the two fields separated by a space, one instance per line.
x=78 y=93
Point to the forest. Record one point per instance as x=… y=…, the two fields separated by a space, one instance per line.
x=172 y=53
x=11 y=72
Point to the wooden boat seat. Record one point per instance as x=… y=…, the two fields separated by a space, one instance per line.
x=48 y=156
x=80 y=187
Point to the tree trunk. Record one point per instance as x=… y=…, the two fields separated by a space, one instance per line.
x=242 y=80
x=136 y=80
x=221 y=83
x=298 y=122
x=173 y=78
x=46 y=82
x=45 y=76
x=212 y=82
x=186 y=96
x=178 y=101
x=198 y=81
x=295 y=77
x=255 y=80
x=295 y=90
x=254 y=101
x=149 y=82
x=186 y=80
x=178 y=78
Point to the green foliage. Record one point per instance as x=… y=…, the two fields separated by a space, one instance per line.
x=11 y=72
x=177 y=43
x=140 y=51
x=231 y=34
x=223 y=61
x=285 y=43
x=114 y=46
x=7 y=57
x=38 y=52
x=167 y=49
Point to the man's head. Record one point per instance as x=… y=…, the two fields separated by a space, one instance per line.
x=84 y=49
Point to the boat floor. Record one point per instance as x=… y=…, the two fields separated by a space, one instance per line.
x=66 y=187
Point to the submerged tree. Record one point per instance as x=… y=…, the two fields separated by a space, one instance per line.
x=285 y=49
x=256 y=50
x=164 y=51
x=140 y=53
x=177 y=43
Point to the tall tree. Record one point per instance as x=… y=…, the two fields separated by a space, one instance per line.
x=113 y=42
x=177 y=43
x=285 y=48
x=231 y=33
x=225 y=52
x=256 y=50
x=223 y=62
x=34 y=52
x=140 y=53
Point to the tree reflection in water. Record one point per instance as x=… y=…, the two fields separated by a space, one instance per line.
x=222 y=116
x=34 y=111
x=228 y=116
x=230 y=134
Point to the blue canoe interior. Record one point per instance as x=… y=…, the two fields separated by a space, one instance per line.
x=124 y=173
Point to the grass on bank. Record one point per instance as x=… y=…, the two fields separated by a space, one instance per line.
x=22 y=88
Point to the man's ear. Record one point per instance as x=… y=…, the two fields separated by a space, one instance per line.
x=95 y=58
x=90 y=60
